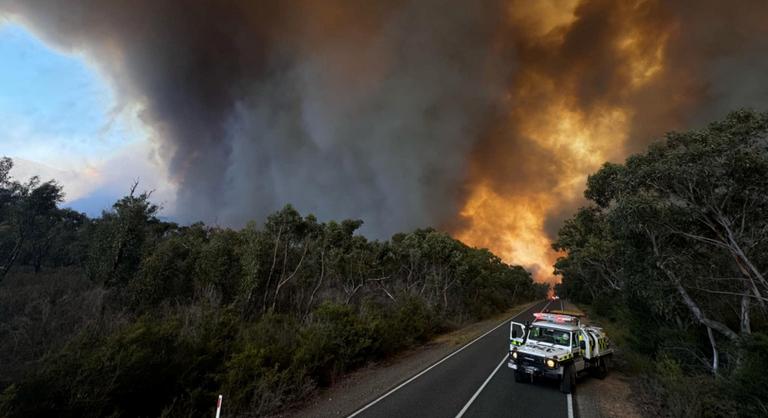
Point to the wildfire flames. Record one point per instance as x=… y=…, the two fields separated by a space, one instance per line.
x=548 y=114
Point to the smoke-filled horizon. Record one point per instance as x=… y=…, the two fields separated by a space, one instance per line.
x=482 y=118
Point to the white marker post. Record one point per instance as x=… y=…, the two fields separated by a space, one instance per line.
x=218 y=407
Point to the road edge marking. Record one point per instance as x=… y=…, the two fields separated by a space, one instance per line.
x=570 y=405
x=391 y=391
x=472 y=399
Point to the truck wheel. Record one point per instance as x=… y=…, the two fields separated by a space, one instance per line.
x=601 y=370
x=568 y=381
x=520 y=377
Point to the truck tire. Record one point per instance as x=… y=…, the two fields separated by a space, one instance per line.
x=521 y=377
x=568 y=382
x=601 y=369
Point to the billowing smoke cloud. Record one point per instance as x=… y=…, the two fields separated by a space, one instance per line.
x=343 y=109
x=481 y=117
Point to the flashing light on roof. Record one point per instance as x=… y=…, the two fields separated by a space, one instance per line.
x=556 y=318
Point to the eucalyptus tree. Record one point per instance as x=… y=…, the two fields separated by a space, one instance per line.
x=28 y=211
x=686 y=218
x=122 y=237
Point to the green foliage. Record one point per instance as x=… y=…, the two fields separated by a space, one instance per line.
x=218 y=268
x=260 y=374
x=685 y=395
x=675 y=243
x=121 y=238
x=28 y=218
x=164 y=273
x=148 y=366
x=748 y=386
x=127 y=315
x=336 y=340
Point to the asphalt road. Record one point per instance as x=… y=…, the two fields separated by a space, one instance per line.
x=473 y=381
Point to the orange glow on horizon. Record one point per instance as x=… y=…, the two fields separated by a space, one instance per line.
x=550 y=116
x=513 y=226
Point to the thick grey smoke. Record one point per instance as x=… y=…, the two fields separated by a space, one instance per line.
x=379 y=128
x=344 y=109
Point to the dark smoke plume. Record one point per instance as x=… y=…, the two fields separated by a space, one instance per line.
x=345 y=109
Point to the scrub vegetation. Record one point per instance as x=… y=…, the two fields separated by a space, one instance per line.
x=129 y=315
x=672 y=251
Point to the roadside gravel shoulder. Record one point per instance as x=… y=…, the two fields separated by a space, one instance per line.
x=367 y=383
x=612 y=397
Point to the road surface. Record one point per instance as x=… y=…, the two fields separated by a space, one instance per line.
x=474 y=381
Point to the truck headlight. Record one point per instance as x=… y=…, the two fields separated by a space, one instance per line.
x=514 y=355
x=550 y=363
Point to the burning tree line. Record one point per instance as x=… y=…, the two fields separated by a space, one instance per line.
x=678 y=236
x=129 y=315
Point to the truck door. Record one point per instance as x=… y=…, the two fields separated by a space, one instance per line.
x=578 y=353
x=516 y=334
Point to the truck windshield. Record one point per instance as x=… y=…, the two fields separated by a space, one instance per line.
x=550 y=335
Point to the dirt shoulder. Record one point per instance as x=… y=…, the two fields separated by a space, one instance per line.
x=610 y=397
x=365 y=384
x=613 y=396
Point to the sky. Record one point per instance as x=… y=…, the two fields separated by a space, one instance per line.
x=59 y=119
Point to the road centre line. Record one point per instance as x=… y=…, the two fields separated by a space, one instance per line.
x=472 y=399
x=546 y=306
x=377 y=400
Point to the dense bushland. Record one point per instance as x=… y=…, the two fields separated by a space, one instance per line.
x=674 y=248
x=128 y=315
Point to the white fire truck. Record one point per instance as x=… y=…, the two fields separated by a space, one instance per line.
x=557 y=345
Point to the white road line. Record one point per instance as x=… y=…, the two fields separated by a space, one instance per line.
x=472 y=399
x=569 y=397
x=546 y=306
x=375 y=401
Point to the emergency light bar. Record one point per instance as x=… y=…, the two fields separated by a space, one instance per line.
x=556 y=318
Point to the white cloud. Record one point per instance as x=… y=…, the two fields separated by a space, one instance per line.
x=93 y=185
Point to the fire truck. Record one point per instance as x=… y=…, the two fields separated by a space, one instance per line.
x=556 y=345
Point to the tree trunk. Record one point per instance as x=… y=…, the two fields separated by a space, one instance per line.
x=281 y=283
x=699 y=315
x=392 y=298
x=351 y=293
x=12 y=257
x=715 y=357
x=271 y=269
x=687 y=300
x=319 y=281
x=746 y=327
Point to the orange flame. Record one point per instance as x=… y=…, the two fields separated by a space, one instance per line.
x=548 y=116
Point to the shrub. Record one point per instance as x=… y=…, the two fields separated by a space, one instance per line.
x=336 y=341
